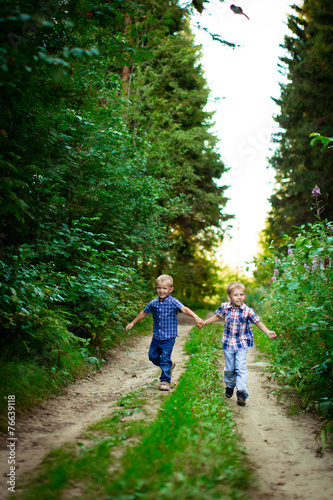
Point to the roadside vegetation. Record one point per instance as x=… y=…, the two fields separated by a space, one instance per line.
x=298 y=305
x=189 y=451
x=295 y=276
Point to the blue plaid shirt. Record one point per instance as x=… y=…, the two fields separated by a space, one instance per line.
x=237 y=329
x=164 y=317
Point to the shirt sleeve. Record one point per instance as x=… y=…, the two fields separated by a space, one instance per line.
x=177 y=304
x=253 y=317
x=149 y=308
x=221 y=311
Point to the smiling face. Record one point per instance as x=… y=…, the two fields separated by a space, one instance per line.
x=237 y=297
x=163 y=289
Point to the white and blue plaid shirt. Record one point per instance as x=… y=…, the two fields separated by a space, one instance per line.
x=164 y=317
x=237 y=329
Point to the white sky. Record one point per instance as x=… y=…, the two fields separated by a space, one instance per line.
x=244 y=79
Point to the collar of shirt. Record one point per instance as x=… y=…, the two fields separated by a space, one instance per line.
x=163 y=300
x=230 y=306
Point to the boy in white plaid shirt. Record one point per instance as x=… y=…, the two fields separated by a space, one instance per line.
x=237 y=338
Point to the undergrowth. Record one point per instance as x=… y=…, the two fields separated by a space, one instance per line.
x=298 y=306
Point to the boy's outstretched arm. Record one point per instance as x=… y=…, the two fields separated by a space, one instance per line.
x=212 y=319
x=263 y=328
x=139 y=317
x=189 y=312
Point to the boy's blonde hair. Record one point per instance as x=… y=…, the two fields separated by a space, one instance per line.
x=233 y=285
x=163 y=278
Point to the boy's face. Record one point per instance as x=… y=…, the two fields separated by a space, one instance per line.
x=163 y=289
x=237 y=297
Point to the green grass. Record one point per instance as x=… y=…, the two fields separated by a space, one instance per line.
x=85 y=464
x=31 y=383
x=190 y=451
x=261 y=340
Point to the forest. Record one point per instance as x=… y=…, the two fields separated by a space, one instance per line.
x=108 y=171
x=109 y=176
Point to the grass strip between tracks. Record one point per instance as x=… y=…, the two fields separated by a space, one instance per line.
x=189 y=451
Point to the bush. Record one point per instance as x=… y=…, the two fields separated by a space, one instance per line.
x=299 y=307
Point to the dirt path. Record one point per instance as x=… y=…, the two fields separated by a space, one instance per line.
x=63 y=418
x=282 y=448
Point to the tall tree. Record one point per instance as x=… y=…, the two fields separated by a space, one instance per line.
x=168 y=96
x=306 y=107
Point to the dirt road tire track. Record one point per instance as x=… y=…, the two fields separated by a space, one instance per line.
x=283 y=449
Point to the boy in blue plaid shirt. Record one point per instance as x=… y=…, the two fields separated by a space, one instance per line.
x=237 y=338
x=164 y=310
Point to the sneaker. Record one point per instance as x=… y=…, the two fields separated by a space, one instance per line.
x=164 y=386
x=229 y=392
x=241 y=399
x=172 y=367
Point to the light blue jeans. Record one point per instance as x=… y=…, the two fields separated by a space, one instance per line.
x=235 y=371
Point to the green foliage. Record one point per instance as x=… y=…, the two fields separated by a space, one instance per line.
x=298 y=307
x=35 y=366
x=53 y=295
x=326 y=141
x=196 y=281
x=74 y=272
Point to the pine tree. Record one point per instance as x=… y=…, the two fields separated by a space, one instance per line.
x=168 y=95
x=306 y=107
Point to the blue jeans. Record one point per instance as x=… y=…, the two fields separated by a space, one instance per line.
x=160 y=354
x=235 y=371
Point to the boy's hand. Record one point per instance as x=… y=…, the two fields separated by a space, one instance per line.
x=129 y=326
x=259 y=324
x=199 y=324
